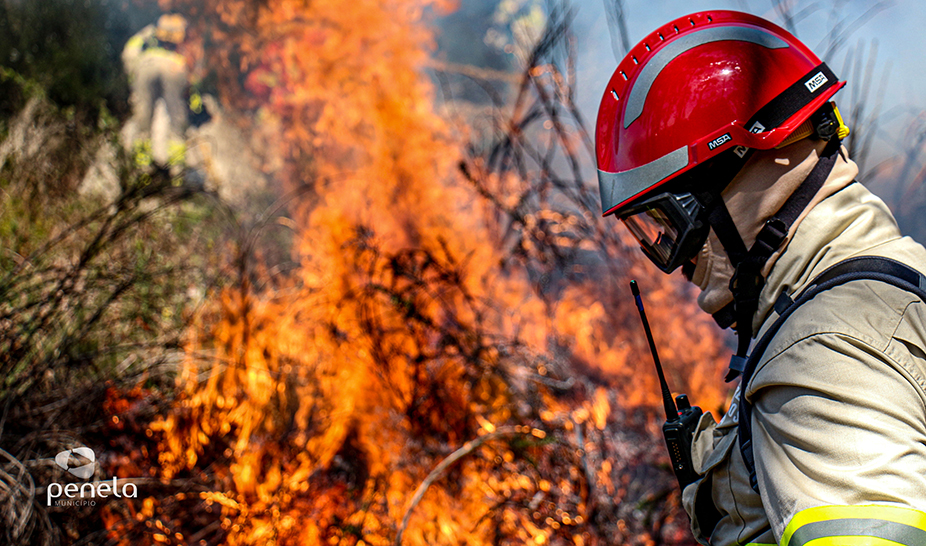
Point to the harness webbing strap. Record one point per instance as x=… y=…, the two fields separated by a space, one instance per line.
x=862 y=268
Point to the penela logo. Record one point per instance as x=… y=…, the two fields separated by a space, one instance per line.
x=81 y=462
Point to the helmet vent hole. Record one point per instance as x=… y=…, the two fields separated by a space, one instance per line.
x=692 y=22
x=624 y=74
x=635 y=61
x=676 y=28
x=614 y=93
x=648 y=48
x=710 y=19
x=661 y=37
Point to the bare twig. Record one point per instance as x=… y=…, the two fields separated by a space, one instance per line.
x=473 y=71
x=18 y=497
x=467 y=448
x=617 y=27
x=590 y=501
x=841 y=32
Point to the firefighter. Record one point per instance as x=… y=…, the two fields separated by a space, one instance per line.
x=718 y=147
x=158 y=71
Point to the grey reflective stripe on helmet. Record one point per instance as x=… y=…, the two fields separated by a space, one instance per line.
x=617 y=187
x=854 y=527
x=687 y=41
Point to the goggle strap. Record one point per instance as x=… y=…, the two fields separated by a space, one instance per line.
x=791 y=100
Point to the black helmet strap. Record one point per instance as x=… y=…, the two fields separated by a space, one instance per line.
x=747 y=282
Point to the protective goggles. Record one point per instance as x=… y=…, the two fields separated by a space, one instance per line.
x=669 y=228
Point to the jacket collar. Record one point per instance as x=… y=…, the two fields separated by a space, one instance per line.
x=850 y=222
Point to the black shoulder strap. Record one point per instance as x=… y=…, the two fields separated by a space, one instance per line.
x=864 y=267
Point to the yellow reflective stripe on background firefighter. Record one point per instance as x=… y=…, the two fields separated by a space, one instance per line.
x=165 y=54
x=870 y=525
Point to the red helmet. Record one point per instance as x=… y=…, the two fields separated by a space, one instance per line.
x=699 y=86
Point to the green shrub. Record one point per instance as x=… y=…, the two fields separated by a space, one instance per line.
x=71 y=48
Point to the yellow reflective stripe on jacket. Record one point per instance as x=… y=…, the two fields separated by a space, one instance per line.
x=869 y=525
x=856 y=541
x=165 y=53
x=135 y=43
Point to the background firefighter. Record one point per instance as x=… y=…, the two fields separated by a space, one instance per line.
x=158 y=71
x=719 y=148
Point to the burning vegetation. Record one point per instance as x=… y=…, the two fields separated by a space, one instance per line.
x=454 y=359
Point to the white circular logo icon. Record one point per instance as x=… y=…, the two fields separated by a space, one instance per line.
x=83 y=471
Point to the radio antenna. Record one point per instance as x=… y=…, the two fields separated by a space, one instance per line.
x=667 y=401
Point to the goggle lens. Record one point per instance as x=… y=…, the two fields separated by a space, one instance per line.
x=655 y=231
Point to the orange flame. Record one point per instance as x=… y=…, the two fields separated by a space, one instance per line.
x=402 y=336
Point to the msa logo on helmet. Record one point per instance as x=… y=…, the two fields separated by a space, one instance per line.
x=83 y=471
x=718 y=141
x=815 y=82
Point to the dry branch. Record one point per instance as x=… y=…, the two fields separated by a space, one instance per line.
x=438 y=471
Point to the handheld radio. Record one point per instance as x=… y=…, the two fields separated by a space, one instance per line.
x=681 y=420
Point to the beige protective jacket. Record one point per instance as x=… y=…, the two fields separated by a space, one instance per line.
x=156 y=73
x=839 y=398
